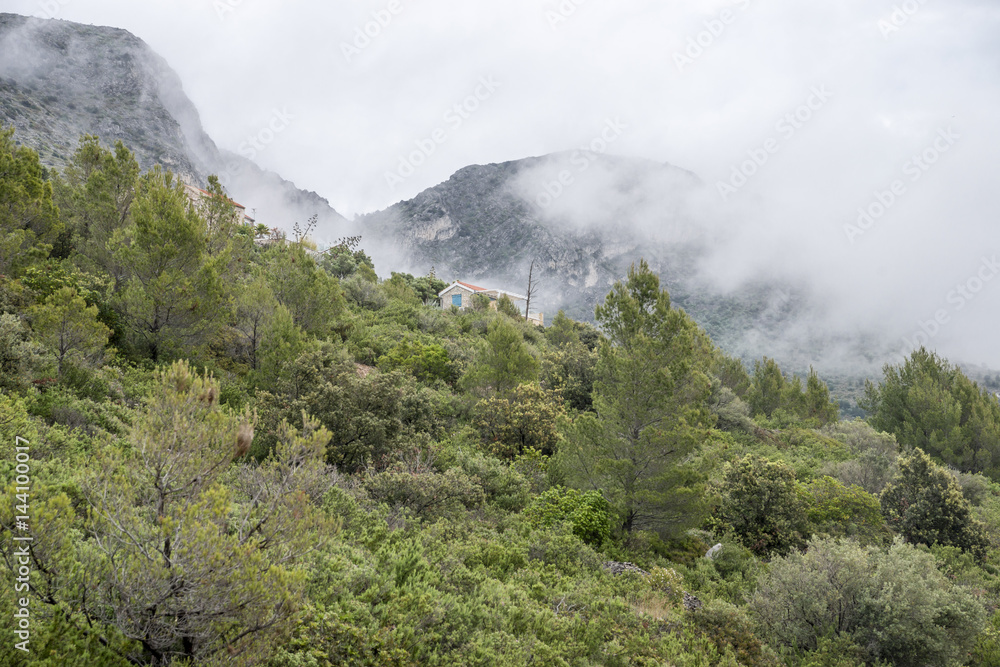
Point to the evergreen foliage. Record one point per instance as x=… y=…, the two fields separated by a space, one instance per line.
x=245 y=451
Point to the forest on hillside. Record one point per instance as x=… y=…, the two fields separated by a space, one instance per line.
x=222 y=446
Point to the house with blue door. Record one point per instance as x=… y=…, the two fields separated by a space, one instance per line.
x=459 y=294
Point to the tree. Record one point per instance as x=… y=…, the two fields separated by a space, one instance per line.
x=312 y=295
x=650 y=398
x=569 y=370
x=504 y=362
x=254 y=310
x=530 y=291
x=344 y=258
x=506 y=307
x=767 y=388
x=761 y=505
x=95 y=196
x=731 y=373
x=562 y=331
x=818 y=405
x=770 y=391
x=928 y=403
x=29 y=219
x=895 y=605
x=192 y=567
x=523 y=419
x=170 y=293
x=68 y=327
x=426 y=288
x=925 y=505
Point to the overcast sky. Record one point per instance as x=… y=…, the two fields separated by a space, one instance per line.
x=833 y=99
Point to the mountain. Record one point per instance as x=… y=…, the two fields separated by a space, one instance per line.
x=584 y=218
x=60 y=80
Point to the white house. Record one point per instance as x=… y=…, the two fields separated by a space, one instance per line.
x=459 y=294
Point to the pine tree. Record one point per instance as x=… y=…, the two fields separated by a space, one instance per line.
x=68 y=327
x=650 y=398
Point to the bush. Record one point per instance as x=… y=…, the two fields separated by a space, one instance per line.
x=502 y=484
x=668 y=581
x=874 y=462
x=842 y=511
x=925 y=504
x=427 y=363
x=588 y=512
x=524 y=419
x=893 y=604
x=729 y=628
x=425 y=493
x=762 y=506
x=363 y=292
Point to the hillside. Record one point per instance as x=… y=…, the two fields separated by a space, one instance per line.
x=60 y=80
x=228 y=452
x=584 y=217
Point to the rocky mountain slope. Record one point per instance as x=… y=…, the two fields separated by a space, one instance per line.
x=584 y=227
x=60 y=80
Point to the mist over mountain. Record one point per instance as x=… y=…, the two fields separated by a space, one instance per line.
x=61 y=80
x=748 y=268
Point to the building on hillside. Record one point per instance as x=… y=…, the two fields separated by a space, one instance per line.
x=459 y=294
x=197 y=196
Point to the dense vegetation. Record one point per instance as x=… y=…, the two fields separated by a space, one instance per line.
x=245 y=451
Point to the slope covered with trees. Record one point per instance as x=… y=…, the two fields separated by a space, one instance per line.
x=243 y=451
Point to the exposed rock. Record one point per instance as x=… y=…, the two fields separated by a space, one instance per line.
x=60 y=80
x=691 y=603
x=714 y=551
x=615 y=567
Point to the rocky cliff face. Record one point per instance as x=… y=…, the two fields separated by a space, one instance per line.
x=584 y=219
x=60 y=80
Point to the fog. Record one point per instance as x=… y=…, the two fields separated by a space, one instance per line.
x=795 y=118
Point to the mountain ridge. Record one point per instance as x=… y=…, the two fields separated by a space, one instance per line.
x=62 y=79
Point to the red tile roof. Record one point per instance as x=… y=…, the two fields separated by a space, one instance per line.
x=471 y=287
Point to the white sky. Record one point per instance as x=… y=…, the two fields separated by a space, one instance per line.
x=897 y=73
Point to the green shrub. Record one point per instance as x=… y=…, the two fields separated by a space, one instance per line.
x=762 y=506
x=924 y=503
x=588 y=512
x=894 y=604
x=841 y=511
x=729 y=628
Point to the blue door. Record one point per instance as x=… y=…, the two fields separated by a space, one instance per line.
x=456 y=300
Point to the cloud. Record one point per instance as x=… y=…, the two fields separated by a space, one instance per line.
x=899 y=73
